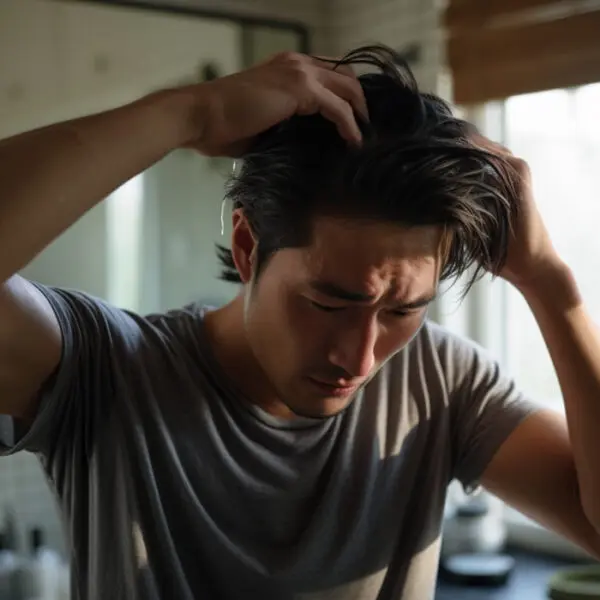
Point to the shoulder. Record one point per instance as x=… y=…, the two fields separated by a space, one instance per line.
x=180 y=327
x=88 y=320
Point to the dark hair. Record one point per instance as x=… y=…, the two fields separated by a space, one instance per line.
x=417 y=165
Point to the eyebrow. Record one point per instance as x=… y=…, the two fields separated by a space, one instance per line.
x=334 y=291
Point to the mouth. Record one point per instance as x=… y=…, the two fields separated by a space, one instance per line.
x=331 y=389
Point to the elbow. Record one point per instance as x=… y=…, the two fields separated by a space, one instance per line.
x=593 y=545
x=592 y=514
x=590 y=505
x=589 y=498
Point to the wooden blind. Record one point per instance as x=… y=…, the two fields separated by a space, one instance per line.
x=499 y=48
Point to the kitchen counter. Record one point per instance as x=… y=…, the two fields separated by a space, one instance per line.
x=529 y=581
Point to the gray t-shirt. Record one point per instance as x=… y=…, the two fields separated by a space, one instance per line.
x=174 y=486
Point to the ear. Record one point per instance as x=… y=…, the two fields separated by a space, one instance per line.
x=243 y=245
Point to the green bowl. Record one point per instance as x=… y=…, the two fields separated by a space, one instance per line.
x=581 y=583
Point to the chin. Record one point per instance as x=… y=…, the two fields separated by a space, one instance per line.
x=321 y=408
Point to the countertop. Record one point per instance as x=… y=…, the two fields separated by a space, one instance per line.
x=529 y=581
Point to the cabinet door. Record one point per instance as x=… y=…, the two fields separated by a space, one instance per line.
x=111 y=47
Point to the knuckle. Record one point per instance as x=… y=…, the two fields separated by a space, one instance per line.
x=345 y=108
x=520 y=164
x=299 y=69
x=357 y=92
x=301 y=75
x=289 y=56
x=308 y=102
x=345 y=70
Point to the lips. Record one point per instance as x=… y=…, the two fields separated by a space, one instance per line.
x=334 y=389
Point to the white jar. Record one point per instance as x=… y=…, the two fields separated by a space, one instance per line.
x=474 y=528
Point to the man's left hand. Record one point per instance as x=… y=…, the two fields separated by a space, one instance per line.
x=531 y=255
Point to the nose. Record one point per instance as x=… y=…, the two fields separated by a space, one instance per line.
x=354 y=349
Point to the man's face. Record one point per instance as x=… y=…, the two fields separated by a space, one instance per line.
x=322 y=319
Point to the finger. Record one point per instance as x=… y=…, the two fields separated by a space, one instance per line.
x=491 y=146
x=333 y=64
x=349 y=89
x=330 y=65
x=340 y=112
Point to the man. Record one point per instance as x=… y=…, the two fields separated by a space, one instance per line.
x=298 y=442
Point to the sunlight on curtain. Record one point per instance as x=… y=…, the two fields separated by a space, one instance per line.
x=558 y=133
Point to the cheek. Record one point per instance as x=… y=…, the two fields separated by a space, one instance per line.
x=310 y=329
x=288 y=325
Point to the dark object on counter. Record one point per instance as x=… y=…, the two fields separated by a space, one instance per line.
x=9 y=529
x=478 y=569
x=582 y=583
x=36 y=539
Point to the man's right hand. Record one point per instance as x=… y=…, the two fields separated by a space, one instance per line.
x=232 y=110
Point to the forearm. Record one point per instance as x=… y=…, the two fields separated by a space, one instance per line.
x=574 y=344
x=50 y=177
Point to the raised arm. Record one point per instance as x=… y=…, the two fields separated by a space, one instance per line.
x=50 y=177
x=549 y=468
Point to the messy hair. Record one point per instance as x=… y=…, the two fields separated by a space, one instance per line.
x=418 y=165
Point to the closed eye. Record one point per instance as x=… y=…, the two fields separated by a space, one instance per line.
x=326 y=308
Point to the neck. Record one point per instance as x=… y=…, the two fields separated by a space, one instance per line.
x=226 y=332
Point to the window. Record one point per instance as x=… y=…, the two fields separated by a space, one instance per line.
x=124 y=212
x=558 y=134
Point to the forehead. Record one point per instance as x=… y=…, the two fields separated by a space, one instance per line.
x=365 y=254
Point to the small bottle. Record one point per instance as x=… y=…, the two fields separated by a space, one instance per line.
x=9 y=529
x=9 y=571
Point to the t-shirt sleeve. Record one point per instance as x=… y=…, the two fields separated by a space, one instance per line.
x=485 y=408
x=98 y=341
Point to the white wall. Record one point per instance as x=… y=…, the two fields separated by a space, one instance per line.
x=397 y=23
x=186 y=193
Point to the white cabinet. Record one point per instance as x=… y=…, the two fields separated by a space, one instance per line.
x=109 y=47
x=65 y=59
